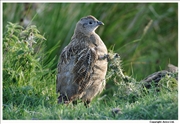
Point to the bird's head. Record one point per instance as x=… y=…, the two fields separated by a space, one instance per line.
x=88 y=25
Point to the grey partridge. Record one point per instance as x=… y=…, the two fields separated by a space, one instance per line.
x=83 y=64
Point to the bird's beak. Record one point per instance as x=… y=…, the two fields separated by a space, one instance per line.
x=100 y=23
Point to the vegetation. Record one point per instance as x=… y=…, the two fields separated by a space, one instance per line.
x=145 y=36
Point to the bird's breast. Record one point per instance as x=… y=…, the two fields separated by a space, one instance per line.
x=100 y=66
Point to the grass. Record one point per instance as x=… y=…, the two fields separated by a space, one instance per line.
x=158 y=106
x=144 y=34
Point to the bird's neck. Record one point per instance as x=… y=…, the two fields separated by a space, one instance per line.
x=90 y=39
x=84 y=34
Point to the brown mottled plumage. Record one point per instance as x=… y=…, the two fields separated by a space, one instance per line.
x=83 y=64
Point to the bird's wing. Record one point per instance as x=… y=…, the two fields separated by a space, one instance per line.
x=78 y=60
x=83 y=67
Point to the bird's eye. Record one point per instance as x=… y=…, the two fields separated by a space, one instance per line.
x=90 y=22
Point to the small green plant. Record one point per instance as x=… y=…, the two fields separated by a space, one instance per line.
x=129 y=88
x=23 y=69
x=169 y=82
x=20 y=57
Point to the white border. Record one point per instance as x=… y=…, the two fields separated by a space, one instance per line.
x=80 y=121
x=90 y=1
x=90 y=121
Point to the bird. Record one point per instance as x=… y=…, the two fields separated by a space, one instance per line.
x=156 y=77
x=83 y=64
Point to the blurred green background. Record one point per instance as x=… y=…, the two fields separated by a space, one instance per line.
x=144 y=34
